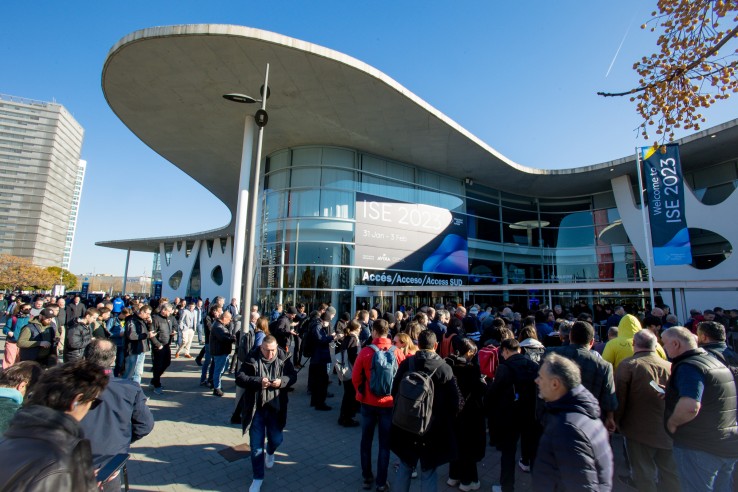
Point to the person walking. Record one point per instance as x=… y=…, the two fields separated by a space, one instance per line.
x=138 y=335
x=221 y=346
x=162 y=323
x=265 y=375
x=186 y=330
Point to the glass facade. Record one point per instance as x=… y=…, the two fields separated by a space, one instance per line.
x=307 y=228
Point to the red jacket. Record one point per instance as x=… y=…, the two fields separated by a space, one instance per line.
x=362 y=371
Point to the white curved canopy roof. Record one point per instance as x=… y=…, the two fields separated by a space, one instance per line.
x=166 y=84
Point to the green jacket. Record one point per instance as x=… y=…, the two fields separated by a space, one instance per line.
x=30 y=339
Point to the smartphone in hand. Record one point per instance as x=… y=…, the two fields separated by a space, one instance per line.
x=111 y=467
x=656 y=386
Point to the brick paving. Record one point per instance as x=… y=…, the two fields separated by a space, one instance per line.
x=192 y=425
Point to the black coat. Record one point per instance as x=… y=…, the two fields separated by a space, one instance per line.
x=249 y=378
x=574 y=451
x=137 y=339
x=44 y=450
x=470 y=423
x=78 y=337
x=163 y=328
x=221 y=340
x=74 y=311
x=438 y=445
x=282 y=330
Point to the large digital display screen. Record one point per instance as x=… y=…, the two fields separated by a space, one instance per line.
x=409 y=236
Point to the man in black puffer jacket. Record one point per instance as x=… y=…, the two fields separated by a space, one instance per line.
x=574 y=452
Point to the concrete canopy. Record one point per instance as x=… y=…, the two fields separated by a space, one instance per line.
x=166 y=84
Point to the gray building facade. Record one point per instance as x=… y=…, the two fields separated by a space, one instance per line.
x=40 y=186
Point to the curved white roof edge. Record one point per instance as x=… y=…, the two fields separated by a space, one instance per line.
x=700 y=140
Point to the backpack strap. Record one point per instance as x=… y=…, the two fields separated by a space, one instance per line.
x=374 y=347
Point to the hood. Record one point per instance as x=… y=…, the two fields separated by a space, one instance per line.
x=532 y=343
x=41 y=422
x=628 y=326
x=429 y=361
x=578 y=400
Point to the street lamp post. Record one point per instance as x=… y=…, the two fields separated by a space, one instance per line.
x=242 y=278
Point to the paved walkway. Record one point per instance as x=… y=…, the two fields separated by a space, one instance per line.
x=181 y=454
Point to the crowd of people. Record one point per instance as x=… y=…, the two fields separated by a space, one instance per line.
x=436 y=385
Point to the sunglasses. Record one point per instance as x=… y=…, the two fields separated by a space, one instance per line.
x=95 y=403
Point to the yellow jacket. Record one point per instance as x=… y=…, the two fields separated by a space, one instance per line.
x=621 y=347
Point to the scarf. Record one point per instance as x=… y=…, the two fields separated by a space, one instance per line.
x=268 y=369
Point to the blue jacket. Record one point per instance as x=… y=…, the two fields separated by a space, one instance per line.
x=121 y=418
x=574 y=451
x=19 y=323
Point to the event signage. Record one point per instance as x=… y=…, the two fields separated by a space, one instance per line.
x=406 y=236
x=665 y=186
x=385 y=278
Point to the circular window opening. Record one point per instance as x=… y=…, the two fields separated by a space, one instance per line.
x=217 y=275
x=175 y=279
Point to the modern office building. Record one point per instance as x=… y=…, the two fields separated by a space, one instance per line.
x=40 y=146
x=368 y=194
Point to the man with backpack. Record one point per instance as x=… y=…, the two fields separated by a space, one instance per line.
x=320 y=358
x=373 y=375
x=511 y=406
x=426 y=401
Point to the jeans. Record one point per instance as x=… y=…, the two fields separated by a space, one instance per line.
x=206 y=365
x=200 y=334
x=120 y=359
x=134 y=367
x=372 y=417
x=220 y=364
x=700 y=471
x=263 y=425
x=428 y=478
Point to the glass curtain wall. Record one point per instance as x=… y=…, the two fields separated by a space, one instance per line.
x=307 y=228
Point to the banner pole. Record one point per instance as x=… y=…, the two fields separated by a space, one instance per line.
x=646 y=228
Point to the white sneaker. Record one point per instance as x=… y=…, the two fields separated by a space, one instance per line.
x=471 y=486
x=268 y=460
x=452 y=483
x=524 y=467
x=255 y=486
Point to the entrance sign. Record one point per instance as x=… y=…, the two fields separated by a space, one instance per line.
x=409 y=236
x=665 y=186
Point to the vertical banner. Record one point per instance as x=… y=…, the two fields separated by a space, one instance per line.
x=665 y=186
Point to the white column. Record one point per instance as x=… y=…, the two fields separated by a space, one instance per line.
x=239 y=235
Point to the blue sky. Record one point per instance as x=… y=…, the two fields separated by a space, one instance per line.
x=522 y=76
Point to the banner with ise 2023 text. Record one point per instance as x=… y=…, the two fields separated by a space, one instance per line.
x=665 y=186
x=409 y=236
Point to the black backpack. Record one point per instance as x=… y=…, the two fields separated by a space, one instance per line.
x=413 y=403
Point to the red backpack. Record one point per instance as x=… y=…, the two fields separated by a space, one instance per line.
x=446 y=346
x=489 y=360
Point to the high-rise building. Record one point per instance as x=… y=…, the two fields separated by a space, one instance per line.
x=40 y=180
x=73 y=213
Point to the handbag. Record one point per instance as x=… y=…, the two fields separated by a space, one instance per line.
x=342 y=365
